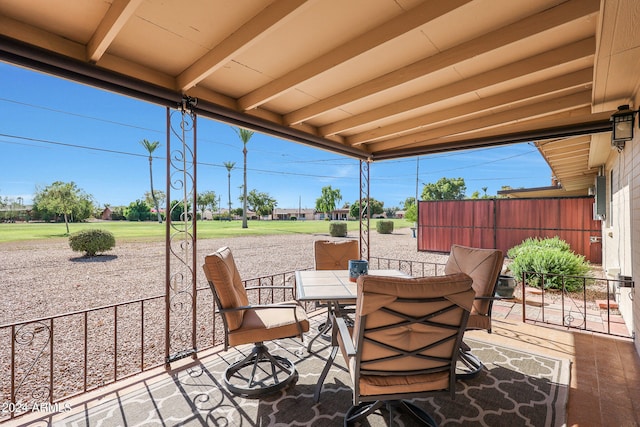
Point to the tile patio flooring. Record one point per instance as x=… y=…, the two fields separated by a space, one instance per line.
x=605 y=371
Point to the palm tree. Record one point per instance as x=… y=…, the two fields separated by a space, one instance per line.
x=229 y=166
x=151 y=147
x=245 y=135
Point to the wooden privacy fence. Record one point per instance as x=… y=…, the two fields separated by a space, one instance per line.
x=504 y=223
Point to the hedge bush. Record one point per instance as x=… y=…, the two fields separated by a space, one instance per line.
x=384 y=227
x=338 y=229
x=535 y=243
x=92 y=241
x=553 y=258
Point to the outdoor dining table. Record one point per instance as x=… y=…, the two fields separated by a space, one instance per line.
x=334 y=287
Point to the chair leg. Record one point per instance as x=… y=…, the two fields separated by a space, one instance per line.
x=323 y=328
x=472 y=366
x=361 y=411
x=262 y=379
x=418 y=413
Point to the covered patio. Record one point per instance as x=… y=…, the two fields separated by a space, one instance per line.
x=603 y=386
x=375 y=81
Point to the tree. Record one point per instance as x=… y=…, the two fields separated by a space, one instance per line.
x=261 y=203
x=391 y=212
x=327 y=202
x=245 y=135
x=375 y=207
x=178 y=212
x=64 y=198
x=160 y=197
x=229 y=166
x=409 y=201
x=208 y=198
x=445 y=189
x=151 y=147
x=137 y=211
x=411 y=213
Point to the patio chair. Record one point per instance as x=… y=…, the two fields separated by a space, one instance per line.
x=404 y=343
x=335 y=255
x=483 y=266
x=332 y=255
x=245 y=323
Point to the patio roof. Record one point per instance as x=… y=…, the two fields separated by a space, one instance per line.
x=370 y=79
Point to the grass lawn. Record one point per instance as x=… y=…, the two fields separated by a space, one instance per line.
x=127 y=231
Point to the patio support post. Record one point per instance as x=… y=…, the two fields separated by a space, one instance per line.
x=364 y=209
x=180 y=234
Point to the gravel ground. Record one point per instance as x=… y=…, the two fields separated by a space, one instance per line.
x=40 y=279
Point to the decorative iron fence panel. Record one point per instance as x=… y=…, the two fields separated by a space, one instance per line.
x=45 y=361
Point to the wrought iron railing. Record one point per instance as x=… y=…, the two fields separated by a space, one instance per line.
x=413 y=268
x=579 y=302
x=48 y=360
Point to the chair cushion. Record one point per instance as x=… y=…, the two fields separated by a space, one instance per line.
x=335 y=255
x=380 y=291
x=375 y=385
x=220 y=269
x=406 y=333
x=270 y=324
x=483 y=266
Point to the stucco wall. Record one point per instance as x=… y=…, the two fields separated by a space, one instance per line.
x=621 y=229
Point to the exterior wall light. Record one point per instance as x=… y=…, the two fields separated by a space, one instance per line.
x=622 y=129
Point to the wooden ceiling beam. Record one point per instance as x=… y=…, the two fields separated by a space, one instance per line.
x=116 y=17
x=240 y=40
x=563 y=142
x=553 y=58
x=463 y=126
x=579 y=78
x=530 y=26
x=571 y=118
x=390 y=30
x=559 y=125
x=562 y=152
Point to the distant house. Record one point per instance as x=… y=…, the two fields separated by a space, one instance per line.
x=207 y=215
x=335 y=215
x=106 y=214
x=287 y=214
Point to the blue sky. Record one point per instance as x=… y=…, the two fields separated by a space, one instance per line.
x=57 y=130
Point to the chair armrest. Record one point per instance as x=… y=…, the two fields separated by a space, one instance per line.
x=258 y=307
x=251 y=288
x=343 y=330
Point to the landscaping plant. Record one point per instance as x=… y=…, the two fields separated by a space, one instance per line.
x=338 y=229
x=92 y=241
x=384 y=227
x=551 y=257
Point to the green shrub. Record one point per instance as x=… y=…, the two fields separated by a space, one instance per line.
x=551 y=257
x=535 y=243
x=384 y=227
x=338 y=229
x=92 y=241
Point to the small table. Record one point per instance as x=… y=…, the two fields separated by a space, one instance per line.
x=335 y=287
x=332 y=285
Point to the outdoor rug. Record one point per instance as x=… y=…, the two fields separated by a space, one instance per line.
x=517 y=388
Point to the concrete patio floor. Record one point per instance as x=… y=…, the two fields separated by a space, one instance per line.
x=604 y=387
